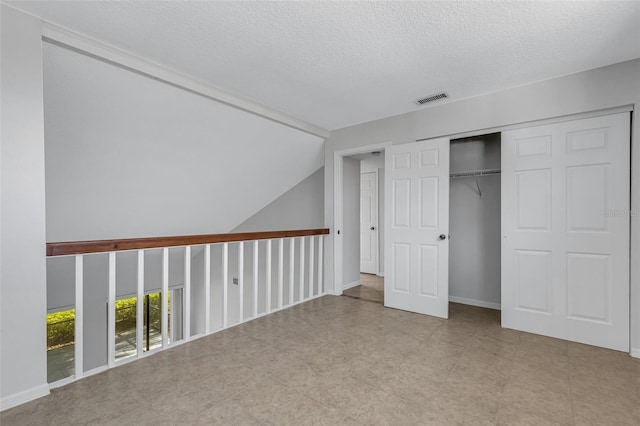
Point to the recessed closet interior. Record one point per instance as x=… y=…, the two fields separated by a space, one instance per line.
x=474 y=221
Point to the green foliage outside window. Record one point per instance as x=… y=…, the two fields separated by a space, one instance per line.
x=60 y=328
x=125 y=314
x=61 y=325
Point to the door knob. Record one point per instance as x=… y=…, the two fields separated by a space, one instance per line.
x=373 y=228
x=442 y=237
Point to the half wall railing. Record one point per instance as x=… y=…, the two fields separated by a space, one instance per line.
x=284 y=268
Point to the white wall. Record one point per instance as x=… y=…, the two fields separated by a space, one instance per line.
x=370 y=164
x=351 y=221
x=474 y=223
x=607 y=87
x=129 y=156
x=23 y=365
x=301 y=207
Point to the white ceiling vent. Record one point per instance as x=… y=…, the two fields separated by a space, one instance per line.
x=431 y=98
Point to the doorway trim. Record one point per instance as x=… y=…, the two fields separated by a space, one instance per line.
x=338 y=210
x=634 y=283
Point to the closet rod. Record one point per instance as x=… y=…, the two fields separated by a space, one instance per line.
x=475 y=173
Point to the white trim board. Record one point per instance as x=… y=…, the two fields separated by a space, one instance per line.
x=95 y=371
x=634 y=260
x=473 y=302
x=24 y=397
x=350 y=285
x=66 y=38
x=62 y=382
x=71 y=379
x=541 y=122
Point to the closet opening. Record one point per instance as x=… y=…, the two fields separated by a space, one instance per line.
x=475 y=225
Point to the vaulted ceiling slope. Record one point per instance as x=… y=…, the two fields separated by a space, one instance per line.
x=337 y=64
x=128 y=156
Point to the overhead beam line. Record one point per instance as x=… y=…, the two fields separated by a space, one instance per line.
x=92 y=48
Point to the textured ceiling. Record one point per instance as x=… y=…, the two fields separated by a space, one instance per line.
x=340 y=63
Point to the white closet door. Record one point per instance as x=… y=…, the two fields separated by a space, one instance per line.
x=565 y=224
x=416 y=226
x=369 y=223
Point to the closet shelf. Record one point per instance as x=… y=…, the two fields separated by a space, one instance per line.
x=475 y=173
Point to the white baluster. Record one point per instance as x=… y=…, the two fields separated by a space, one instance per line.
x=280 y=271
x=268 y=268
x=301 y=283
x=225 y=285
x=140 y=305
x=207 y=289
x=111 y=312
x=164 y=299
x=241 y=281
x=79 y=314
x=292 y=246
x=187 y=294
x=320 y=266
x=312 y=243
x=255 y=278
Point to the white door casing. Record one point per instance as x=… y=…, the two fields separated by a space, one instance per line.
x=369 y=223
x=417 y=226
x=565 y=224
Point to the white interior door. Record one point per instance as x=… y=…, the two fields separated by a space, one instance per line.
x=416 y=227
x=565 y=223
x=369 y=223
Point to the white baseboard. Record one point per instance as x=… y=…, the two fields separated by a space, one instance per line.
x=635 y=352
x=23 y=397
x=473 y=302
x=350 y=285
x=62 y=382
x=380 y=274
x=96 y=370
x=67 y=380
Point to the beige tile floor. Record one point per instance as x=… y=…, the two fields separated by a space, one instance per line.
x=371 y=288
x=339 y=360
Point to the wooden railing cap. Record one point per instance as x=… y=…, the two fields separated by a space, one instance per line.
x=102 y=246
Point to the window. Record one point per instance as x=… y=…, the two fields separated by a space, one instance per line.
x=152 y=331
x=61 y=345
x=126 y=316
x=126 y=323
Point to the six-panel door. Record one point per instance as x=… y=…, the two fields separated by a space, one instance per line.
x=369 y=223
x=417 y=224
x=565 y=224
